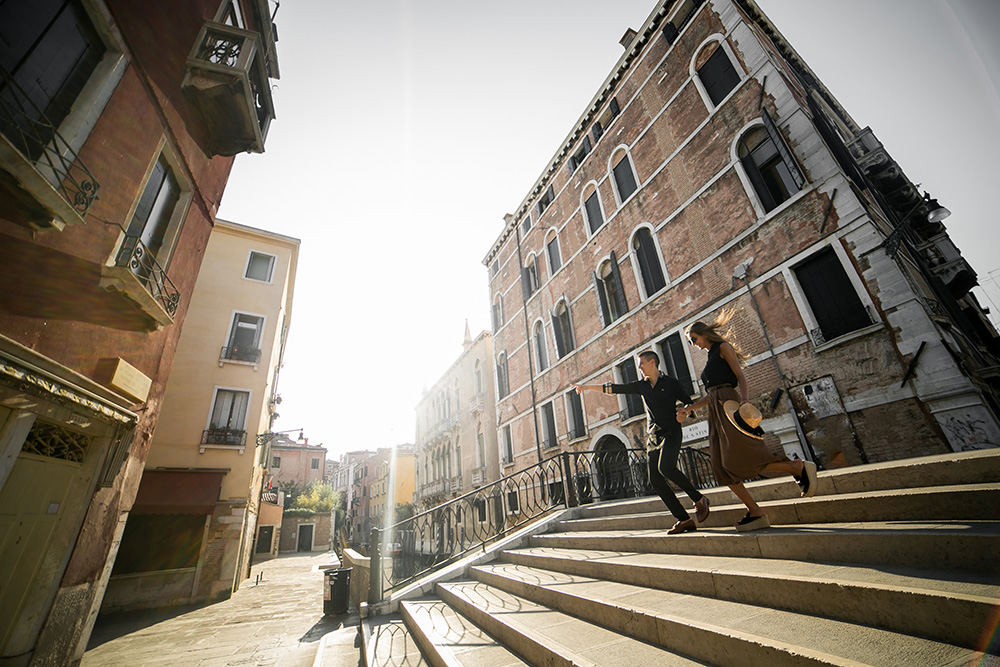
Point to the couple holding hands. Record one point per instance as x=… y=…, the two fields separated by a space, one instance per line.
x=736 y=441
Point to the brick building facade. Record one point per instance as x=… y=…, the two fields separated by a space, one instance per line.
x=118 y=123
x=712 y=170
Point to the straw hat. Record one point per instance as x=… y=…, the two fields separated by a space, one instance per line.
x=746 y=418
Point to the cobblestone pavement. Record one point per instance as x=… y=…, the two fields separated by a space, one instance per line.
x=277 y=621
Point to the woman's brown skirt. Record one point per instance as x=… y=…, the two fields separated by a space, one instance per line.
x=736 y=457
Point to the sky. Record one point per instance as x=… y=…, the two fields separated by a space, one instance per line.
x=406 y=129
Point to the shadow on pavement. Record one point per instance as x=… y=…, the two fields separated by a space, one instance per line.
x=112 y=626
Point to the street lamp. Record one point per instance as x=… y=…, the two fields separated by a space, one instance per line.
x=935 y=213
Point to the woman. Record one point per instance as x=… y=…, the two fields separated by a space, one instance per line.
x=737 y=454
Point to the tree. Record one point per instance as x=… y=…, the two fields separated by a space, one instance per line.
x=404 y=511
x=318 y=497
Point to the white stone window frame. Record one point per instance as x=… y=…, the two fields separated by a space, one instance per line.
x=758 y=207
x=585 y=193
x=177 y=217
x=635 y=261
x=552 y=235
x=502 y=355
x=246 y=418
x=229 y=336
x=612 y=163
x=531 y=265
x=805 y=309
x=604 y=295
x=274 y=266
x=506 y=437
x=498 y=305
x=88 y=106
x=733 y=60
x=569 y=319
x=539 y=325
x=569 y=410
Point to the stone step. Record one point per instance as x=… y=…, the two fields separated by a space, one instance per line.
x=448 y=639
x=702 y=627
x=387 y=641
x=966 y=501
x=978 y=467
x=548 y=637
x=964 y=546
x=932 y=604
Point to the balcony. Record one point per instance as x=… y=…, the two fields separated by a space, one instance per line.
x=241 y=353
x=478 y=476
x=140 y=278
x=477 y=404
x=44 y=183
x=227 y=76
x=223 y=438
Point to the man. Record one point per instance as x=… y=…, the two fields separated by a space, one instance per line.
x=660 y=394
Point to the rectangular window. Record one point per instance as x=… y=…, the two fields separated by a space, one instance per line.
x=244 y=338
x=574 y=415
x=675 y=361
x=577 y=158
x=594 y=217
x=494 y=268
x=555 y=258
x=508 y=445
x=513 y=502
x=151 y=220
x=633 y=402
x=545 y=200
x=314 y=464
x=836 y=307
x=548 y=426
x=480 y=509
x=260 y=266
x=229 y=416
x=526 y=225
x=275 y=462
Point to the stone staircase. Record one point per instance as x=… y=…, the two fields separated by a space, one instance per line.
x=890 y=564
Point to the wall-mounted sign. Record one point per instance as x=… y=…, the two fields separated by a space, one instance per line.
x=129 y=380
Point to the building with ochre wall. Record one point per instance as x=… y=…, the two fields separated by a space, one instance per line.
x=118 y=125
x=200 y=494
x=712 y=170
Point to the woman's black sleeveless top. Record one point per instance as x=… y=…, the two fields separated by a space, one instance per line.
x=717 y=370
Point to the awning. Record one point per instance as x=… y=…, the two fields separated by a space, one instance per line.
x=178 y=492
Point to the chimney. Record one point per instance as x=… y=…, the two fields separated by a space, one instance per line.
x=627 y=37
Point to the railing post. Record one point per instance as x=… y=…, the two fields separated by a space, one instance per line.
x=375 y=565
x=569 y=481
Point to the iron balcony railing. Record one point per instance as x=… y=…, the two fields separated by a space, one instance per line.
x=223 y=436
x=269 y=497
x=28 y=130
x=240 y=353
x=443 y=534
x=140 y=261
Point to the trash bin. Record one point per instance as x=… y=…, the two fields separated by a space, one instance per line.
x=336 y=590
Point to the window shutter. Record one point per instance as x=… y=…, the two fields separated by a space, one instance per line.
x=757 y=180
x=782 y=147
x=614 y=107
x=673 y=352
x=602 y=305
x=557 y=331
x=549 y=196
x=597 y=131
x=718 y=75
x=586 y=145
x=669 y=33
x=620 y=292
x=539 y=208
x=525 y=286
x=572 y=163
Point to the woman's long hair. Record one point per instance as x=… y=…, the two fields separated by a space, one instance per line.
x=718 y=331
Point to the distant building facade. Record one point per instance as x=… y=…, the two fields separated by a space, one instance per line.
x=392 y=485
x=200 y=494
x=298 y=464
x=713 y=170
x=118 y=127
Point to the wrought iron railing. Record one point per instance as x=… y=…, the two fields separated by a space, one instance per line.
x=858 y=318
x=136 y=256
x=269 y=497
x=441 y=535
x=240 y=353
x=37 y=139
x=223 y=436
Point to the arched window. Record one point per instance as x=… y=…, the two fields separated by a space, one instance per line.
x=497 y=313
x=562 y=327
x=647 y=261
x=529 y=276
x=552 y=252
x=624 y=176
x=502 y=387
x=478 y=377
x=591 y=202
x=541 y=353
x=716 y=74
x=769 y=165
x=610 y=293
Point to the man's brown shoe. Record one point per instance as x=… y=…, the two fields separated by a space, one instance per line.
x=685 y=526
x=701 y=510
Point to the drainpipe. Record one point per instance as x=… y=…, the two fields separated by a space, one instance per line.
x=527 y=338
